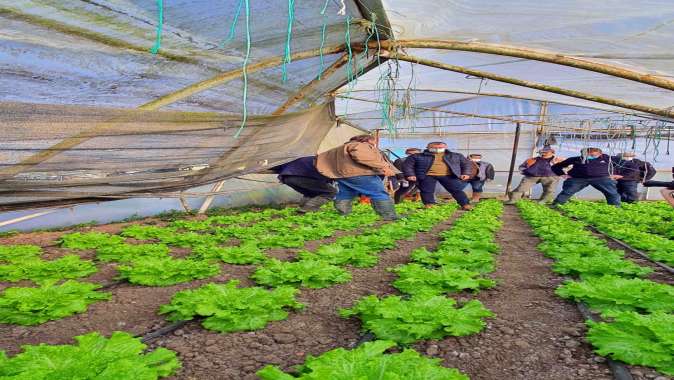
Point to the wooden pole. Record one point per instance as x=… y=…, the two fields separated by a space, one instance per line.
x=513 y=158
x=209 y=199
x=302 y=93
x=536 y=55
x=538 y=86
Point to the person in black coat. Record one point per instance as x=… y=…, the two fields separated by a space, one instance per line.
x=591 y=168
x=633 y=171
x=438 y=164
x=301 y=175
x=406 y=186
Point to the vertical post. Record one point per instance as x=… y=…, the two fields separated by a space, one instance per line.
x=513 y=158
x=538 y=131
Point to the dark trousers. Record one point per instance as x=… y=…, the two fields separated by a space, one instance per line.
x=451 y=183
x=310 y=187
x=402 y=191
x=606 y=185
x=628 y=191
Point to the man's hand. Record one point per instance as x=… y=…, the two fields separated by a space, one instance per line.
x=412 y=178
x=465 y=177
x=615 y=177
x=389 y=172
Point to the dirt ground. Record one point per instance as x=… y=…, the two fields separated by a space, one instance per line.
x=535 y=335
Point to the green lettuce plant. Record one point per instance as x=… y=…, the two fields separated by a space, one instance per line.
x=416 y=279
x=13 y=253
x=130 y=252
x=89 y=240
x=166 y=271
x=93 y=357
x=227 y=308
x=41 y=271
x=304 y=273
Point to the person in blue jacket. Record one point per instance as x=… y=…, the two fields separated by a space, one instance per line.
x=633 y=172
x=438 y=164
x=301 y=175
x=591 y=168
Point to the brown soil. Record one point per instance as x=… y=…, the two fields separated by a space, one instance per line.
x=535 y=334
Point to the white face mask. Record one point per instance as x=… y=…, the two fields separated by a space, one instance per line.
x=436 y=150
x=476 y=159
x=628 y=158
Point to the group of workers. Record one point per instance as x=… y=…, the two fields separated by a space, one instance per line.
x=359 y=168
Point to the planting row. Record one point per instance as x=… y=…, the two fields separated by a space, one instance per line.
x=651 y=233
x=637 y=313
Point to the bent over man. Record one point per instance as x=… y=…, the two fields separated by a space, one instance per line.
x=591 y=168
x=301 y=175
x=438 y=164
x=406 y=186
x=359 y=168
x=484 y=171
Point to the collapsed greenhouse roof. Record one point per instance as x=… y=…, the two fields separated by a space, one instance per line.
x=92 y=112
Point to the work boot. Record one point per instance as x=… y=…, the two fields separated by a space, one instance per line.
x=343 y=206
x=476 y=197
x=313 y=204
x=466 y=207
x=385 y=209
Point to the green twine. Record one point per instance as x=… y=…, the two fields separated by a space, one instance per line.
x=349 y=63
x=232 y=28
x=323 y=28
x=160 y=26
x=244 y=117
x=286 y=58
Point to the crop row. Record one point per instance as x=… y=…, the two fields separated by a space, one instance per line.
x=637 y=313
x=634 y=228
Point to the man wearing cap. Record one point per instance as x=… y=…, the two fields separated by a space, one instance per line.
x=632 y=171
x=537 y=170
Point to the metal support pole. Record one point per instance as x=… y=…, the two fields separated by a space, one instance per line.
x=516 y=143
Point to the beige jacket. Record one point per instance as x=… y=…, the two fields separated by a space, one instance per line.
x=353 y=159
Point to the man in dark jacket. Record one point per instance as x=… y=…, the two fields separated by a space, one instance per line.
x=438 y=164
x=537 y=170
x=301 y=175
x=632 y=171
x=484 y=171
x=591 y=168
x=406 y=186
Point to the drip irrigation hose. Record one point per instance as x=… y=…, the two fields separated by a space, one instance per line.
x=154 y=334
x=619 y=370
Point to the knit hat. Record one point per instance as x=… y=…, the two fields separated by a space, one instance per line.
x=627 y=154
x=546 y=149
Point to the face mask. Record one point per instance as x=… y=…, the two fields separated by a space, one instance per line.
x=436 y=150
x=591 y=157
x=628 y=158
x=475 y=159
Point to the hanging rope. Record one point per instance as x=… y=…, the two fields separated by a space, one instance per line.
x=286 y=58
x=323 y=28
x=232 y=28
x=244 y=116
x=349 y=63
x=160 y=27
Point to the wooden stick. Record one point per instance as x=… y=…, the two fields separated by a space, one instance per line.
x=536 y=55
x=209 y=199
x=534 y=85
x=302 y=93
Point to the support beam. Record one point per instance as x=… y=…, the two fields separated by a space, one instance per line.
x=72 y=141
x=537 y=86
x=536 y=55
x=209 y=199
x=513 y=158
x=302 y=93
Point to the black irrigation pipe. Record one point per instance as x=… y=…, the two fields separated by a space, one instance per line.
x=619 y=370
x=154 y=334
x=620 y=243
x=636 y=251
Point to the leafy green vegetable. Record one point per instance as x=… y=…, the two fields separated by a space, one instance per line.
x=421 y=317
x=147 y=232
x=475 y=260
x=637 y=339
x=228 y=308
x=246 y=253
x=129 y=252
x=366 y=362
x=610 y=293
x=358 y=256
x=305 y=273
x=89 y=240
x=40 y=271
x=166 y=271
x=416 y=279
x=12 y=253
x=597 y=265
x=94 y=357
x=32 y=306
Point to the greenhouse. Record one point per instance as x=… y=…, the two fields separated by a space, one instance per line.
x=336 y=189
